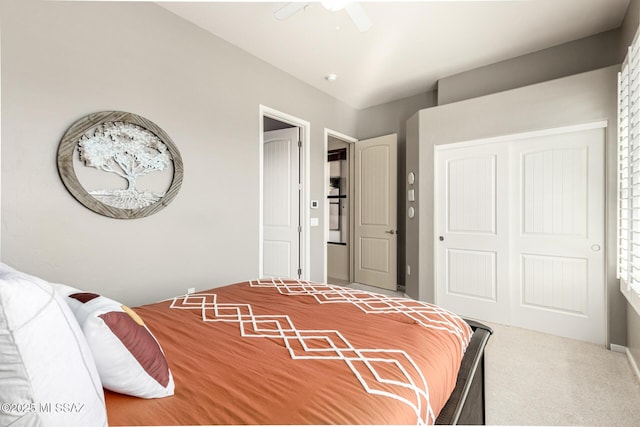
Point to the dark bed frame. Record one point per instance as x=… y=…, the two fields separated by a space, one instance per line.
x=466 y=405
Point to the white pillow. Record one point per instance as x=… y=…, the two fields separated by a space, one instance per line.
x=128 y=356
x=47 y=374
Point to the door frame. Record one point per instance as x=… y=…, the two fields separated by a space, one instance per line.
x=325 y=233
x=305 y=132
x=602 y=124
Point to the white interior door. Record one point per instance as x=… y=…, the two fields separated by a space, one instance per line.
x=558 y=240
x=473 y=232
x=376 y=199
x=522 y=223
x=281 y=204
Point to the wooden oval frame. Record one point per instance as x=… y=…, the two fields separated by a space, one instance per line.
x=69 y=178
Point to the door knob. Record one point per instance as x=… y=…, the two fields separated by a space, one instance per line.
x=441 y=238
x=390 y=232
x=595 y=248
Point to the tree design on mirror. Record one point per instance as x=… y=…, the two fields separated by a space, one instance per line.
x=125 y=146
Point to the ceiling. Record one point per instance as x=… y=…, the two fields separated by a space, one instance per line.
x=410 y=46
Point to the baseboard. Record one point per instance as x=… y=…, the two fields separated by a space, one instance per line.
x=618 y=348
x=632 y=361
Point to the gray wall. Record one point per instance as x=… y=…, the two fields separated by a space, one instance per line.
x=63 y=60
x=412 y=242
x=601 y=50
x=628 y=28
x=590 y=53
x=633 y=333
x=578 y=56
x=391 y=118
x=583 y=98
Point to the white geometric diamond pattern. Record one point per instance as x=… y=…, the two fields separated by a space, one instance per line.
x=331 y=344
x=374 y=303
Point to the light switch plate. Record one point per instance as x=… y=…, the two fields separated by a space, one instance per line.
x=314 y=222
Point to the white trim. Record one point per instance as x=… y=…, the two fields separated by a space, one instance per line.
x=346 y=138
x=524 y=135
x=632 y=361
x=0 y=158
x=260 y=192
x=305 y=133
x=628 y=69
x=618 y=348
x=325 y=233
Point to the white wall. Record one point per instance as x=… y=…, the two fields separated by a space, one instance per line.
x=63 y=60
x=582 y=98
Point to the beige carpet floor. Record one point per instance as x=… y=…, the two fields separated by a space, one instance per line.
x=539 y=379
x=536 y=379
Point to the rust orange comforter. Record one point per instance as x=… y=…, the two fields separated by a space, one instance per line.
x=289 y=352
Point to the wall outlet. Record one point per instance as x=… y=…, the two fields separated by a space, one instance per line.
x=191 y=290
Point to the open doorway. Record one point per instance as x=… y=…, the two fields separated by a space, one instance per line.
x=339 y=200
x=361 y=210
x=284 y=216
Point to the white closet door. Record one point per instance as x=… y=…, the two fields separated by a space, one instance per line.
x=472 y=232
x=522 y=228
x=558 y=240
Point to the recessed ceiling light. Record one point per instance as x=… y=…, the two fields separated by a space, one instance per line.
x=331 y=77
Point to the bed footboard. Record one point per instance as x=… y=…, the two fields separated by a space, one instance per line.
x=466 y=406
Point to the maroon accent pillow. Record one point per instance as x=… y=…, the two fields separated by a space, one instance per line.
x=140 y=343
x=128 y=357
x=84 y=297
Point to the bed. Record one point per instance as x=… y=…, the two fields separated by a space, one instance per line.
x=284 y=352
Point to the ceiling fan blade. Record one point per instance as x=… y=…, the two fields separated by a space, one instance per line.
x=288 y=10
x=359 y=16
